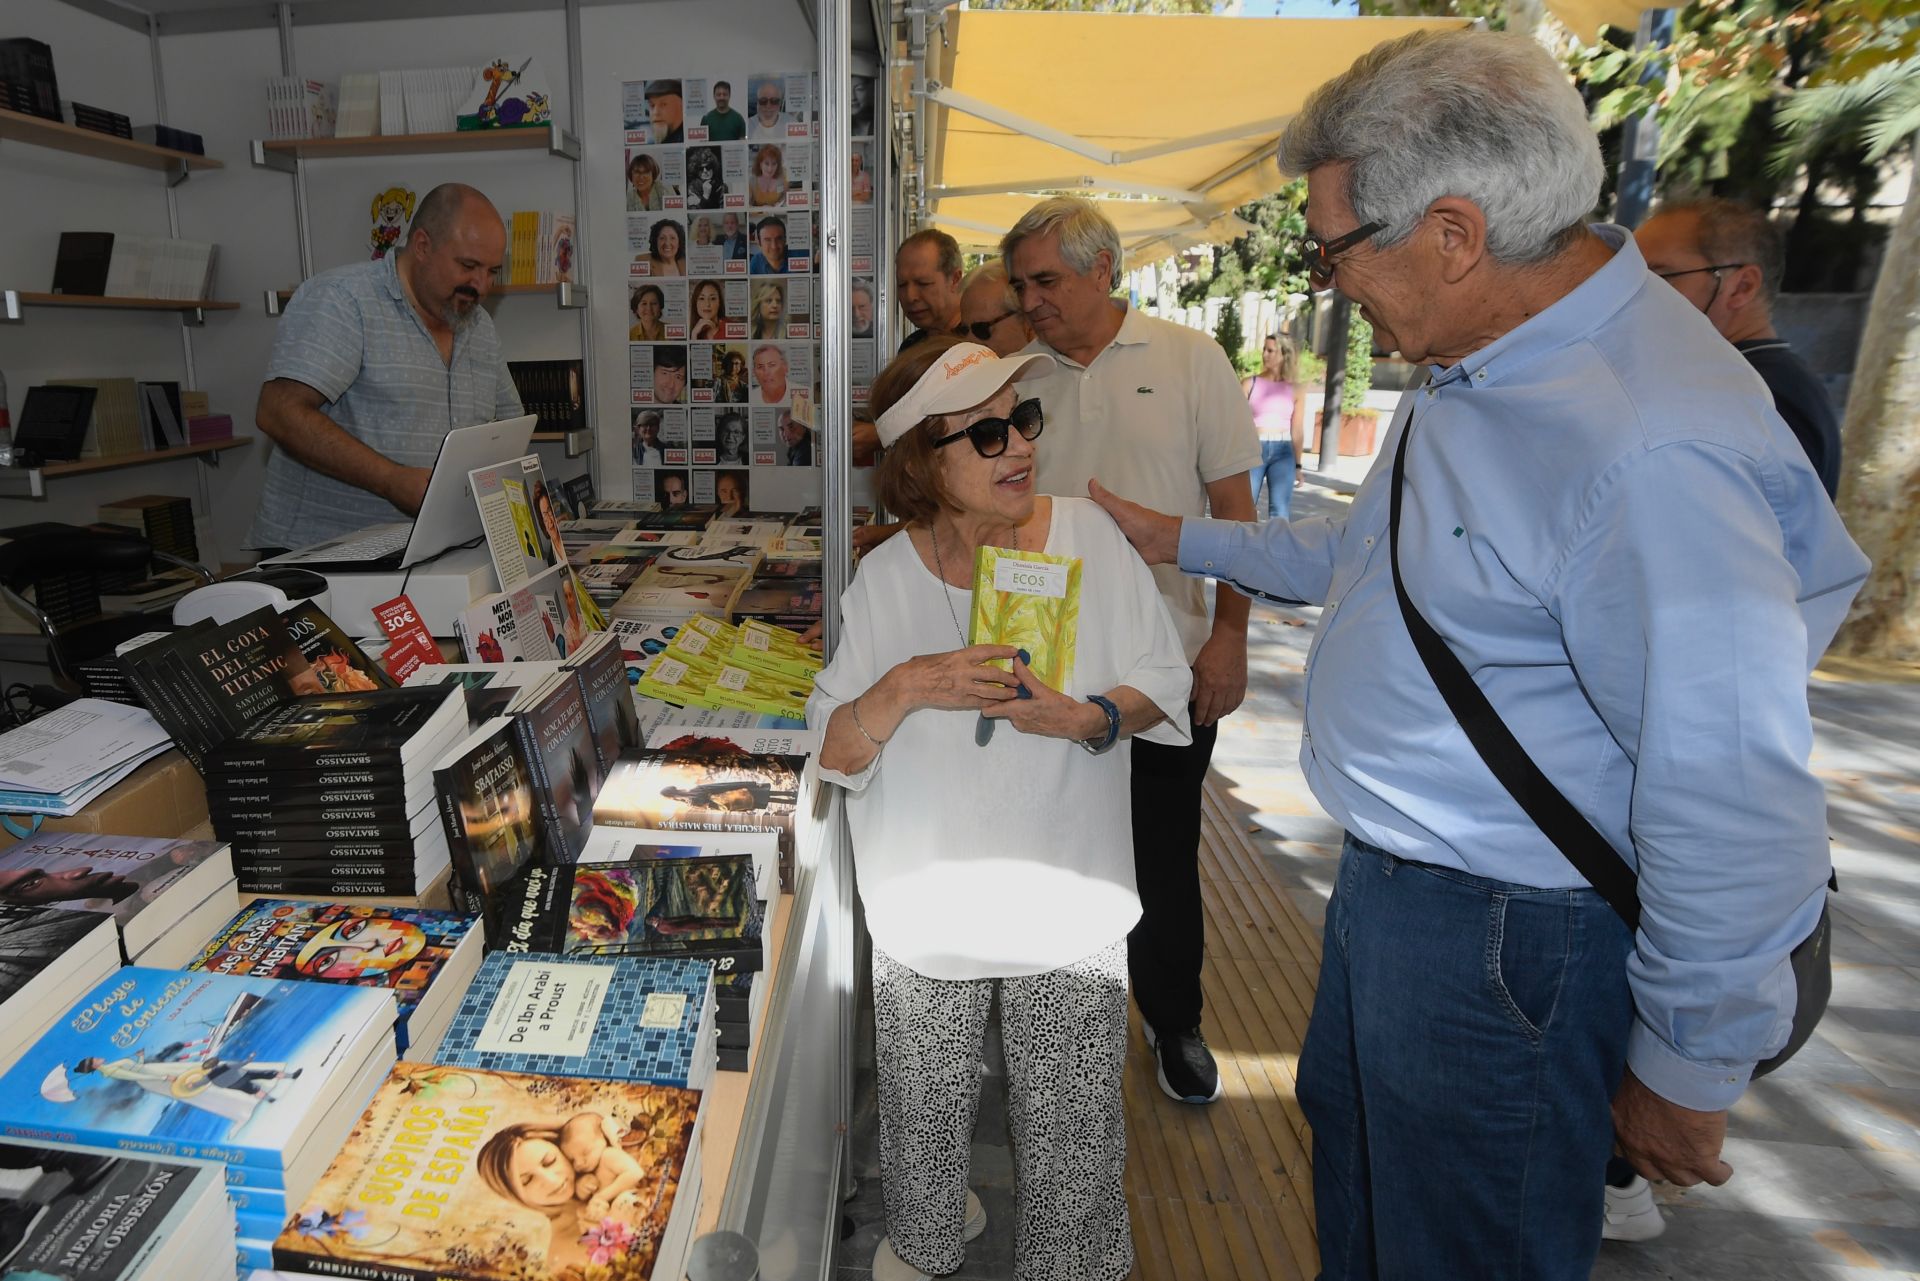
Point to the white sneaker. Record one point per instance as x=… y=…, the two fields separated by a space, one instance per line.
x=888 y=1266
x=1631 y=1213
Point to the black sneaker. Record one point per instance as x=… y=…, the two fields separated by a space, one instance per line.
x=1186 y=1067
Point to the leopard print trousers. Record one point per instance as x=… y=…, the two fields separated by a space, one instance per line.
x=1066 y=1041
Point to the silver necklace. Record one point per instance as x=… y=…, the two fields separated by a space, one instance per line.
x=933 y=533
x=982 y=728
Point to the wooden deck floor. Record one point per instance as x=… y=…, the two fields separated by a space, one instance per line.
x=1225 y=1192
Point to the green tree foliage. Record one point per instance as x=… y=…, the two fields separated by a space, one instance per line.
x=1359 y=364
x=1266 y=260
x=1230 y=333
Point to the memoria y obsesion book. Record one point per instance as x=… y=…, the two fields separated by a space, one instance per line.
x=86 y=1216
x=466 y=1174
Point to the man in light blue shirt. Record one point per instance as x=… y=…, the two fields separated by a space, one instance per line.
x=372 y=365
x=1608 y=524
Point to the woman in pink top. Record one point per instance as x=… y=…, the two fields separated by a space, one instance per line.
x=1280 y=412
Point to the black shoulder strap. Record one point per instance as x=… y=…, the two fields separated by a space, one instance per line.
x=1565 y=826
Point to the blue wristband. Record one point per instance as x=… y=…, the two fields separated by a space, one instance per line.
x=1106 y=705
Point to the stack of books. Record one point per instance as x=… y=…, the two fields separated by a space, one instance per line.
x=99 y=120
x=165 y=1219
x=552 y=391
x=165 y=520
x=699 y=782
x=27 y=82
x=49 y=956
x=299 y=108
x=164 y=895
x=424 y=957
x=119 y=265
x=172 y=139
x=118 y=425
x=755 y=667
x=359 y=115
x=541 y=248
x=265 y=1077
x=333 y=793
x=556 y=1176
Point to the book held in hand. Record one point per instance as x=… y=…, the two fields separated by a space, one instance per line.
x=1031 y=601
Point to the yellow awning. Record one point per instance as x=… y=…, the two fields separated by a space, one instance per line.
x=1169 y=120
x=1585 y=17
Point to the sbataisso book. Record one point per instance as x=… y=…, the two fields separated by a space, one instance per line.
x=382 y=727
x=212 y=1066
x=471 y=1175
x=616 y=1018
x=402 y=949
x=1029 y=600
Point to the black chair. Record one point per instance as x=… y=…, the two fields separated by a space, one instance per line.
x=35 y=554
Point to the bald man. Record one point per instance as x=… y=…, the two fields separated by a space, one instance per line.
x=372 y=365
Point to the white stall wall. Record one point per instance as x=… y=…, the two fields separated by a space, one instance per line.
x=42 y=193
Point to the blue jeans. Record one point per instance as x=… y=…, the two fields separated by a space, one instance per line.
x=1276 y=468
x=1466 y=1042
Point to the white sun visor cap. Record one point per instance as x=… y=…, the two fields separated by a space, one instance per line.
x=965 y=375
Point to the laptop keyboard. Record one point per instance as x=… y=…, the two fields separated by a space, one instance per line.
x=386 y=540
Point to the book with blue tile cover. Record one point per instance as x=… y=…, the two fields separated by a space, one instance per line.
x=613 y=1018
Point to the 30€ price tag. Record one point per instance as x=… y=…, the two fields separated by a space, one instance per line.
x=411 y=645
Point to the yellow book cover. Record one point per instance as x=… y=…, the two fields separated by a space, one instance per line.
x=772 y=635
x=775 y=660
x=504 y=1176
x=758 y=691
x=672 y=678
x=1029 y=600
x=719 y=629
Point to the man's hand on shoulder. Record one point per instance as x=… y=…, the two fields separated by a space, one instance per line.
x=1155 y=536
x=1665 y=1141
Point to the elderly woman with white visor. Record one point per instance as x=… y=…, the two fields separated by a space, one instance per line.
x=993 y=860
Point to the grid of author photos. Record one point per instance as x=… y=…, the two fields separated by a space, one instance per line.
x=723 y=303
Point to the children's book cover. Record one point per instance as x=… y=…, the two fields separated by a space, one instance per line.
x=223 y=1067
x=1029 y=600
x=471 y=1175
x=401 y=949
x=618 y=1018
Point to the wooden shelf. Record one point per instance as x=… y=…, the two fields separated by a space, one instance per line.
x=19 y=127
x=102 y=303
x=279 y=153
x=113 y=462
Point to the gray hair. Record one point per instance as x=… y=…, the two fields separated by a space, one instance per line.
x=1083 y=230
x=1487 y=117
x=994 y=275
x=1729 y=231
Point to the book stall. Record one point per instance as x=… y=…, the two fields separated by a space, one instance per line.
x=471 y=909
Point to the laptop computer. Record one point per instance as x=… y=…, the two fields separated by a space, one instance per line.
x=448 y=516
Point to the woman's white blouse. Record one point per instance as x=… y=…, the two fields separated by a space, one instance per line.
x=1017 y=857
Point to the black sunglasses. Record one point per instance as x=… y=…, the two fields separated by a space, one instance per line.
x=989 y=435
x=1319 y=255
x=983 y=329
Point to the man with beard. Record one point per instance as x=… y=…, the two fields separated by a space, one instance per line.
x=372 y=365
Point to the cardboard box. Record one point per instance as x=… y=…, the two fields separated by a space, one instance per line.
x=164 y=797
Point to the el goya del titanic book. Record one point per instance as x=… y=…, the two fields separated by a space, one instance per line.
x=468 y=1174
x=1031 y=601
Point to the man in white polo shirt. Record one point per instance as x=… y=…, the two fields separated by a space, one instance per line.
x=1152 y=408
